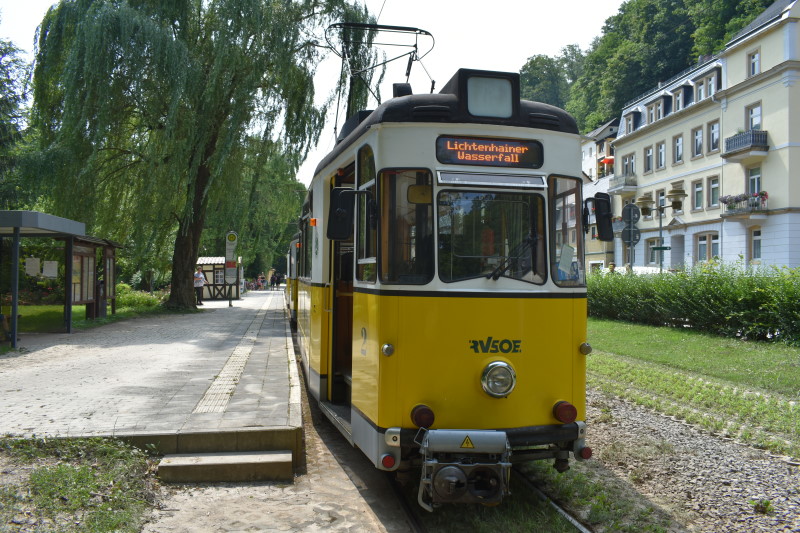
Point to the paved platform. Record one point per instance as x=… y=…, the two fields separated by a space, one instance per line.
x=223 y=379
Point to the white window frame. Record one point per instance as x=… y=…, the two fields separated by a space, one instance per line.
x=648 y=159
x=661 y=155
x=697 y=195
x=708 y=242
x=677 y=149
x=753 y=63
x=756 y=251
x=713 y=132
x=713 y=191
x=697 y=142
x=754 y=180
x=753 y=116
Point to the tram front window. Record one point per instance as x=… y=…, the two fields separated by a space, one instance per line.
x=491 y=235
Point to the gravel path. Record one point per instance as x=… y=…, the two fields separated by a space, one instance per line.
x=705 y=482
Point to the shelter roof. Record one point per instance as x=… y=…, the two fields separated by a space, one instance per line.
x=36 y=224
x=210 y=260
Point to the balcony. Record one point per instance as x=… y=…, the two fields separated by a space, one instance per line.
x=622 y=184
x=745 y=205
x=747 y=147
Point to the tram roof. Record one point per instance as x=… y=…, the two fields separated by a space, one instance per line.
x=450 y=106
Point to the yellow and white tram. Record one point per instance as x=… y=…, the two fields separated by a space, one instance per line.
x=441 y=302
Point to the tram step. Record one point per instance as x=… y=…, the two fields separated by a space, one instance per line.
x=228 y=466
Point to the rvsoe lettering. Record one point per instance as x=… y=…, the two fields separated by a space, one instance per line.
x=492 y=345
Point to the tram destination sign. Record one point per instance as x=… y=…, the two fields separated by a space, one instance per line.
x=489 y=152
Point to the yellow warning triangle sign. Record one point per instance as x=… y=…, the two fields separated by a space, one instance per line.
x=467 y=443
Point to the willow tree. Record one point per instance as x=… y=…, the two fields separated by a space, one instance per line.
x=143 y=108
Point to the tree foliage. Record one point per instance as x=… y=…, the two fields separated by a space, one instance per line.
x=646 y=42
x=153 y=112
x=13 y=92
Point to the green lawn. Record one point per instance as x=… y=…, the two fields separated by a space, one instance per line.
x=45 y=318
x=747 y=390
x=762 y=366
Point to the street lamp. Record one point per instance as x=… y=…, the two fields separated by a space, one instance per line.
x=645 y=203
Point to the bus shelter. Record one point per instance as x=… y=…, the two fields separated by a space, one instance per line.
x=86 y=281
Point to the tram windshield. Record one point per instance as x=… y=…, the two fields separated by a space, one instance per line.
x=491 y=235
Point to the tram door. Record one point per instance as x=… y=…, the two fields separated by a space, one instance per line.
x=342 y=320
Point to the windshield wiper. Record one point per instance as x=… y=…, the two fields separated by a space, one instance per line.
x=506 y=263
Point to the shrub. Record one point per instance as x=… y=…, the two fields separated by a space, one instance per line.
x=127 y=297
x=729 y=300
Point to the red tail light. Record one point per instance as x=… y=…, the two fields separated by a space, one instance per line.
x=565 y=412
x=422 y=416
x=387 y=461
x=585 y=453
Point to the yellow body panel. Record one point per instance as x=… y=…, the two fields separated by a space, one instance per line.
x=313 y=326
x=435 y=360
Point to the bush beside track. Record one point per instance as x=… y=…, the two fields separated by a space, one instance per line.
x=723 y=299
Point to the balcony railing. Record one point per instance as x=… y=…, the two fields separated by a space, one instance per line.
x=622 y=181
x=744 y=204
x=746 y=141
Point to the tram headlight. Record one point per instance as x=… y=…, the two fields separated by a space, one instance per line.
x=498 y=379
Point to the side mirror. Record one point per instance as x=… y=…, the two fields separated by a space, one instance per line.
x=341 y=209
x=340 y=213
x=602 y=215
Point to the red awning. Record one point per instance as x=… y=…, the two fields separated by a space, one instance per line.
x=607 y=160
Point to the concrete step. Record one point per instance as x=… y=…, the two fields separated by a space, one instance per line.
x=227 y=466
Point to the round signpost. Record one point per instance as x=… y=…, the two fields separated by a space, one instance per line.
x=631 y=235
x=230 y=263
x=631 y=214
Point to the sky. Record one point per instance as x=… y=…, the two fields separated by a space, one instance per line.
x=496 y=35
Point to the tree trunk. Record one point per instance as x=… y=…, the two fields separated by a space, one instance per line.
x=187 y=244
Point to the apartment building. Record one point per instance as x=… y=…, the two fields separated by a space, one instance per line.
x=714 y=152
x=597 y=162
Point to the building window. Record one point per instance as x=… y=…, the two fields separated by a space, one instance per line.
x=661 y=199
x=713 y=192
x=677 y=100
x=652 y=253
x=755 y=244
x=629 y=124
x=659 y=110
x=753 y=63
x=707 y=246
x=700 y=90
x=711 y=83
x=713 y=136
x=697 y=142
x=753 y=116
x=677 y=151
x=219 y=277
x=661 y=158
x=648 y=159
x=754 y=180
x=628 y=165
x=697 y=195
x=651 y=114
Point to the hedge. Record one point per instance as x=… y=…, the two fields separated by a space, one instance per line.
x=725 y=299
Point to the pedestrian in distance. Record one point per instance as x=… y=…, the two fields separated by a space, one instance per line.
x=612 y=268
x=199 y=281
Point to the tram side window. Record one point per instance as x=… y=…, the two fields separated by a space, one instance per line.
x=406 y=226
x=566 y=253
x=366 y=231
x=305 y=250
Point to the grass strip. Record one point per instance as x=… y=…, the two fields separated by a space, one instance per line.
x=73 y=485
x=763 y=420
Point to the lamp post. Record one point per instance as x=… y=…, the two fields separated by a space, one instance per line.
x=645 y=203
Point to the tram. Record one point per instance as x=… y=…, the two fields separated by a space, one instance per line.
x=290 y=288
x=441 y=298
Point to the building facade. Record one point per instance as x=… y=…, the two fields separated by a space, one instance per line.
x=725 y=134
x=597 y=162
